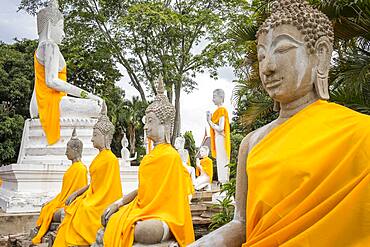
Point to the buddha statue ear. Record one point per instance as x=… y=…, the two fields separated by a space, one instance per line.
x=323 y=49
x=167 y=133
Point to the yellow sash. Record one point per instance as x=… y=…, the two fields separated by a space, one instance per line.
x=221 y=112
x=309 y=181
x=83 y=216
x=161 y=195
x=207 y=166
x=48 y=101
x=74 y=179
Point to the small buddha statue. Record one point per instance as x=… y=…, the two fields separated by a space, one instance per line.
x=74 y=179
x=125 y=153
x=49 y=99
x=220 y=136
x=305 y=176
x=158 y=210
x=84 y=206
x=204 y=170
x=184 y=154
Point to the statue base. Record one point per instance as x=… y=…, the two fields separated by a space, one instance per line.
x=37 y=176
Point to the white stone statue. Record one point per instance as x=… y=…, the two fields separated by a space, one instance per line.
x=50 y=69
x=204 y=179
x=125 y=153
x=220 y=135
x=184 y=154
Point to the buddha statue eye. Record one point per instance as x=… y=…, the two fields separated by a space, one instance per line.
x=284 y=48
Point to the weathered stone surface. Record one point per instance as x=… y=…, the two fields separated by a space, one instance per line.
x=17 y=223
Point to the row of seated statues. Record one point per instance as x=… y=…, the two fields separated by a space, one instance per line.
x=302 y=180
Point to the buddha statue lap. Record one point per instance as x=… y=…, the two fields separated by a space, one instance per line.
x=220 y=136
x=305 y=176
x=158 y=210
x=84 y=206
x=74 y=179
x=204 y=170
x=49 y=100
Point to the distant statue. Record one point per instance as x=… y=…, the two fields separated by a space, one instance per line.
x=158 y=211
x=49 y=99
x=184 y=154
x=125 y=153
x=84 y=206
x=204 y=170
x=220 y=136
x=305 y=176
x=74 y=179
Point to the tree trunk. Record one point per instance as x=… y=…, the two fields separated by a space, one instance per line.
x=177 y=126
x=132 y=139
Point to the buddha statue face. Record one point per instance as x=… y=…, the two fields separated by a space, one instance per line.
x=74 y=148
x=155 y=130
x=57 y=31
x=218 y=96
x=204 y=151
x=179 y=143
x=294 y=50
x=50 y=23
x=124 y=141
x=98 y=139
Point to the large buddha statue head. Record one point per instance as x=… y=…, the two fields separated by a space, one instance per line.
x=160 y=117
x=103 y=131
x=294 y=49
x=218 y=96
x=50 y=22
x=74 y=147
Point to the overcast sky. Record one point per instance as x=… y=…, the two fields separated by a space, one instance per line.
x=20 y=25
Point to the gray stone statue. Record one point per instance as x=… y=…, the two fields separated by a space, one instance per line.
x=125 y=153
x=294 y=51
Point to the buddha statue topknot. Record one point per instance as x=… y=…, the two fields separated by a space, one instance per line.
x=298 y=176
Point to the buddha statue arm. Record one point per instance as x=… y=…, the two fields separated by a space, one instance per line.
x=233 y=234
x=76 y=194
x=51 y=63
x=217 y=127
x=116 y=205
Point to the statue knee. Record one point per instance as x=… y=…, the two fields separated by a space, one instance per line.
x=151 y=232
x=58 y=215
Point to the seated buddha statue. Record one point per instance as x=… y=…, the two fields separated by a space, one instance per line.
x=74 y=179
x=49 y=100
x=158 y=210
x=85 y=206
x=125 y=153
x=204 y=170
x=304 y=178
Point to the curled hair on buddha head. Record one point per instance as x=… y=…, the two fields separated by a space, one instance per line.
x=105 y=126
x=163 y=109
x=49 y=13
x=312 y=23
x=75 y=144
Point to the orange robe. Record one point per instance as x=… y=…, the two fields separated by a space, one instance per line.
x=309 y=181
x=221 y=112
x=48 y=101
x=73 y=179
x=207 y=166
x=161 y=195
x=83 y=216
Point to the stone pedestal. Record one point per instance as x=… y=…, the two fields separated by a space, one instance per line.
x=37 y=176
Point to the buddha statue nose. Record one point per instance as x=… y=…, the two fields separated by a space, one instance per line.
x=269 y=67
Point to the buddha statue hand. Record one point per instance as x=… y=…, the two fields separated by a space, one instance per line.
x=71 y=198
x=209 y=116
x=108 y=213
x=94 y=97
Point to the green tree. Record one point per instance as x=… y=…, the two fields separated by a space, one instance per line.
x=149 y=38
x=190 y=146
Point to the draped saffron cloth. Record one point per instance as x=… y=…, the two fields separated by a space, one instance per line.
x=221 y=112
x=161 y=195
x=83 y=216
x=207 y=166
x=48 y=100
x=73 y=179
x=309 y=182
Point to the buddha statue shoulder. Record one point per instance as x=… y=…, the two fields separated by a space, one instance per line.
x=300 y=173
x=49 y=99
